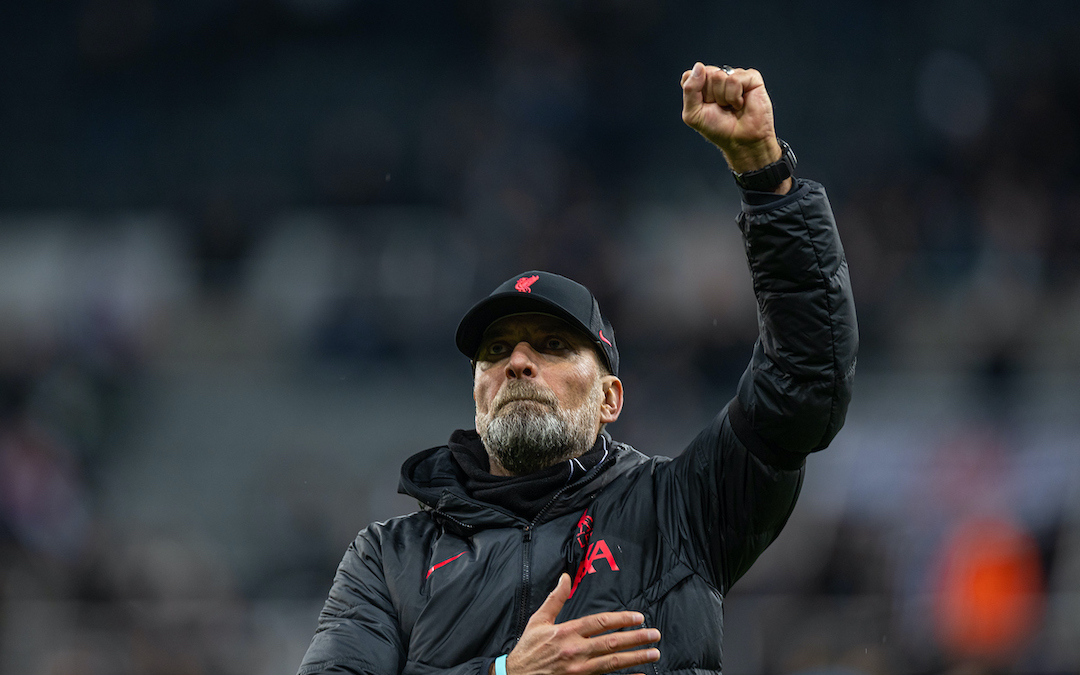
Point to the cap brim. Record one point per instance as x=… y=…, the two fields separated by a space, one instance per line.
x=470 y=332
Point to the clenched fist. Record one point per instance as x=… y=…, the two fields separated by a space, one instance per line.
x=732 y=110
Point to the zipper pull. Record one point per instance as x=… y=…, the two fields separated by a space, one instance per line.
x=526 y=534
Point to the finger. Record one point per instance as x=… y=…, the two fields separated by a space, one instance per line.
x=729 y=90
x=714 y=86
x=685 y=76
x=594 y=624
x=753 y=81
x=613 y=662
x=740 y=84
x=706 y=90
x=554 y=602
x=621 y=641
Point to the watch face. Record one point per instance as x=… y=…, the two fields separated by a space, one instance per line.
x=788 y=153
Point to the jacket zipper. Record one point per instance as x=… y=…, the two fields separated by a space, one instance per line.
x=584 y=479
x=526 y=539
x=466 y=526
x=526 y=591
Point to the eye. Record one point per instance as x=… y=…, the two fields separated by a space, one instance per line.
x=495 y=349
x=554 y=343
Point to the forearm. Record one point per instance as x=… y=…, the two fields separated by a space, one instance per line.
x=796 y=390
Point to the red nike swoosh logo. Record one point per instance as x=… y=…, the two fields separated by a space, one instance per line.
x=448 y=560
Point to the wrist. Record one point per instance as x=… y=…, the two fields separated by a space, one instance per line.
x=774 y=177
x=752 y=157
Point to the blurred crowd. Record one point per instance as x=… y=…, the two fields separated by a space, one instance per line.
x=212 y=206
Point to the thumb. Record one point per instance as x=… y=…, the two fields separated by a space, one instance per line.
x=693 y=84
x=554 y=602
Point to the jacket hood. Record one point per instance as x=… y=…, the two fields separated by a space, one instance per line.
x=435 y=479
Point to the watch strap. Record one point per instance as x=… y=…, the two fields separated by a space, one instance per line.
x=767 y=178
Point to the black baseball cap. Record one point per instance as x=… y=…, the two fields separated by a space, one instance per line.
x=546 y=293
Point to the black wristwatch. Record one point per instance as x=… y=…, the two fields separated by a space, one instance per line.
x=767 y=178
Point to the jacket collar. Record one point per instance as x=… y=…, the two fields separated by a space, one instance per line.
x=435 y=479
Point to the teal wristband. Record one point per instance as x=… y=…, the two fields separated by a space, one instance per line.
x=500 y=665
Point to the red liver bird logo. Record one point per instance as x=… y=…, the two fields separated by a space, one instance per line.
x=524 y=284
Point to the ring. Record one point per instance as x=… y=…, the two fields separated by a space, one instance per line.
x=727 y=69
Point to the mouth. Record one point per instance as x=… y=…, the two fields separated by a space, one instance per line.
x=526 y=396
x=524 y=400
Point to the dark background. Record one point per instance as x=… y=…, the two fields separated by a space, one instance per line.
x=236 y=237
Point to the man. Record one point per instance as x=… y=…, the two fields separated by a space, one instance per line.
x=640 y=552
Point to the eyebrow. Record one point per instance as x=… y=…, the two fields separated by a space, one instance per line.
x=546 y=327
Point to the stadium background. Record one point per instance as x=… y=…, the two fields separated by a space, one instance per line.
x=235 y=238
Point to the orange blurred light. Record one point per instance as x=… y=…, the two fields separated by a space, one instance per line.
x=990 y=593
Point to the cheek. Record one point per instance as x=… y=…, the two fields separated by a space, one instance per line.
x=481 y=393
x=580 y=384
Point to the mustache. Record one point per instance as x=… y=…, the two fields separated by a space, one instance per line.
x=524 y=391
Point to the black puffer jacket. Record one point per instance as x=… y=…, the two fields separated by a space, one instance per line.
x=447 y=589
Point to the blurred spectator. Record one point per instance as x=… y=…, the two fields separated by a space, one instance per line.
x=42 y=501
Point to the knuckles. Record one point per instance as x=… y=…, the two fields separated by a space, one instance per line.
x=614 y=662
x=577 y=669
x=561 y=631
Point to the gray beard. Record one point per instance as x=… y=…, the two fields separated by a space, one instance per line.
x=527 y=436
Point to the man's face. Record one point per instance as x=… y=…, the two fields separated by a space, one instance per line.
x=540 y=392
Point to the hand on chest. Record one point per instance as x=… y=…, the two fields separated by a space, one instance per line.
x=480 y=591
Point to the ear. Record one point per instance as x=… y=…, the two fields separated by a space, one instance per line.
x=612 y=400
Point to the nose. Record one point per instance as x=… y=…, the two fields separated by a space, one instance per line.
x=522 y=362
